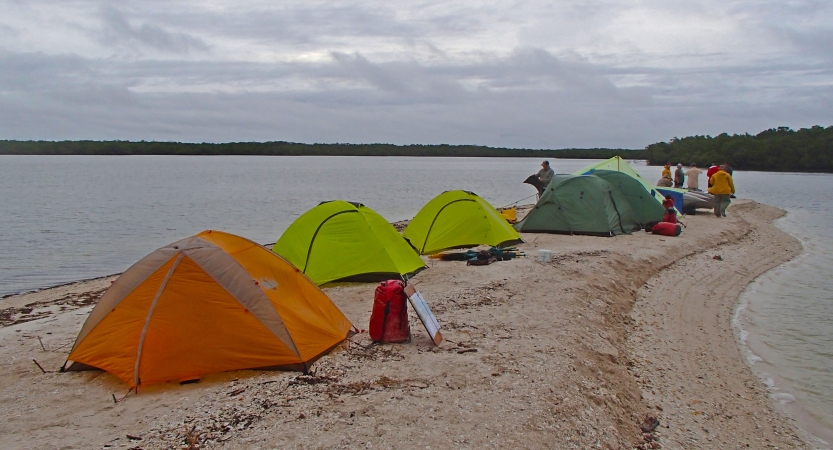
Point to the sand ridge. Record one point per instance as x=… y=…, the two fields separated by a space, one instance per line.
x=536 y=356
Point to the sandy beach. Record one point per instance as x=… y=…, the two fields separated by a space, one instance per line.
x=577 y=353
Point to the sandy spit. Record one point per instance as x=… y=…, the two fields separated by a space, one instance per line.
x=575 y=353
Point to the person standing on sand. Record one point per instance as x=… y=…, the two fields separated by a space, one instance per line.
x=693 y=175
x=679 y=176
x=545 y=175
x=722 y=187
x=712 y=170
x=665 y=180
x=666 y=171
x=731 y=172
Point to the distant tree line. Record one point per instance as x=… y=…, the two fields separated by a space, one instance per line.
x=294 y=149
x=777 y=149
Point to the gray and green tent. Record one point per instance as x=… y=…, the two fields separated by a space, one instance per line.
x=646 y=210
x=603 y=204
x=617 y=164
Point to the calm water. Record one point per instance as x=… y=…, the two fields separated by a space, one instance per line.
x=74 y=217
x=786 y=316
x=69 y=218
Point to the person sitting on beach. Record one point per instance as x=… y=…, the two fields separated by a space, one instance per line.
x=693 y=176
x=679 y=176
x=545 y=176
x=722 y=187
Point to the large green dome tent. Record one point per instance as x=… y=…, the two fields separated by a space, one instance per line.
x=458 y=219
x=618 y=164
x=646 y=209
x=582 y=204
x=346 y=241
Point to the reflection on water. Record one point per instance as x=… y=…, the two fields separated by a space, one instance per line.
x=68 y=218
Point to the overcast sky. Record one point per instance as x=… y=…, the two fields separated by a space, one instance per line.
x=535 y=74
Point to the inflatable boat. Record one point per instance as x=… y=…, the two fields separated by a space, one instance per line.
x=690 y=200
x=697 y=199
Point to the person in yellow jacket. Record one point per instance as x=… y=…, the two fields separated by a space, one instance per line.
x=666 y=171
x=665 y=181
x=722 y=188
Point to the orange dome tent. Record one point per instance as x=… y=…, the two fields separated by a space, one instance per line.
x=209 y=303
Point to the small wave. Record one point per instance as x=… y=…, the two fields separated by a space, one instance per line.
x=783 y=397
x=743 y=335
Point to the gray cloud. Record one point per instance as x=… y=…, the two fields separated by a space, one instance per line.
x=117 y=29
x=365 y=72
x=385 y=80
x=9 y=30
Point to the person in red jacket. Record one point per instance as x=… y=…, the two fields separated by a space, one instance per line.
x=712 y=170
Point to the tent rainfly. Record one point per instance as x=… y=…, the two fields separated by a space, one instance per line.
x=589 y=204
x=209 y=303
x=346 y=241
x=645 y=209
x=618 y=164
x=458 y=219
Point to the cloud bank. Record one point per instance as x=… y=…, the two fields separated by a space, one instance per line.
x=525 y=74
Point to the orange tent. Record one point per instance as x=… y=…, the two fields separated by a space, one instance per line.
x=209 y=303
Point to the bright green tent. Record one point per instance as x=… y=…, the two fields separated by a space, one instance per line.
x=581 y=204
x=458 y=219
x=345 y=241
x=620 y=165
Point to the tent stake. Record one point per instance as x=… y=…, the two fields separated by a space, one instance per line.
x=39 y=366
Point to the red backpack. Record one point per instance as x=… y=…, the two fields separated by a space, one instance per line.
x=667 y=229
x=389 y=319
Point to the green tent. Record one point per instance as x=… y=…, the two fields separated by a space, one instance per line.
x=645 y=208
x=457 y=219
x=582 y=204
x=345 y=241
x=618 y=164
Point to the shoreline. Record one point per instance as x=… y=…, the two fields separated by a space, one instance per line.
x=538 y=355
x=786 y=395
x=811 y=430
x=55 y=286
x=701 y=356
